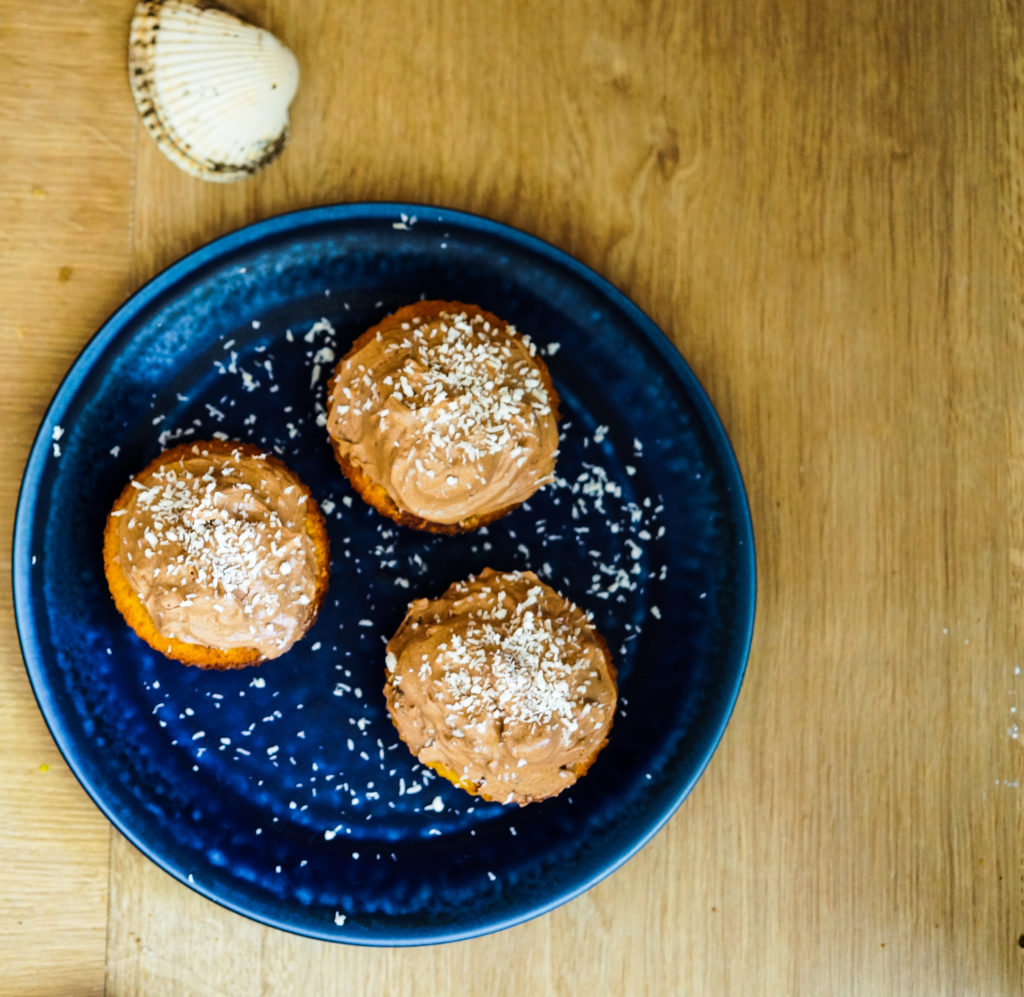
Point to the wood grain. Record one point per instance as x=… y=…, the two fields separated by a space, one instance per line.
x=66 y=179
x=823 y=206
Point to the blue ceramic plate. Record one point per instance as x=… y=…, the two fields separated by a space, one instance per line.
x=282 y=791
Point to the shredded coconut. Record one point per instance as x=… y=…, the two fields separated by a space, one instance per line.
x=473 y=384
x=518 y=672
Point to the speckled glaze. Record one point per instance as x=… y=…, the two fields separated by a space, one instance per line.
x=285 y=795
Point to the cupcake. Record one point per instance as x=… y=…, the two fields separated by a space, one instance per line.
x=216 y=555
x=443 y=417
x=502 y=686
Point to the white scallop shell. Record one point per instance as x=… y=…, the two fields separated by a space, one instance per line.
x=212 y=89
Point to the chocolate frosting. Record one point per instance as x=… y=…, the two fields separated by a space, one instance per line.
x=216 y=547
x=452 y=414
x=504 y=683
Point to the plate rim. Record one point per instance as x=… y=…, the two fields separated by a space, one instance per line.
x=220 y=249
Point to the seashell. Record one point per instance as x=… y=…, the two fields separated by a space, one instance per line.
x=212 y=89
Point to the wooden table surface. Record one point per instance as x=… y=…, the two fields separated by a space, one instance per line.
x=822 y=204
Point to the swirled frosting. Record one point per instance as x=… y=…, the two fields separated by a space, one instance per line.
x=447 y=408
x=213 y=540
x=503 y=684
